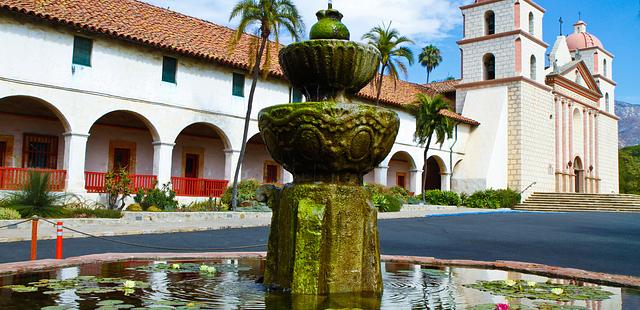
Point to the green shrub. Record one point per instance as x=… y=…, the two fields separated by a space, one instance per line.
x=90 y=213
x=9 y=214
x=387 y=203
x=401 y=193
x=163 y=199
x=442 y=198
x=376 y=189
x=508 y=198
x=463 y=198
x=483 y=200
x=246 y=192
x=154 y=209
x=36 y=198
x=118 y=188
x=134 y=207
x=209 y=205
x=493 y=199
x=414 y=200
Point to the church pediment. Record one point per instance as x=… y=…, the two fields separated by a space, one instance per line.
x=577 y=77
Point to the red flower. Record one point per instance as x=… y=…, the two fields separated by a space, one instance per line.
x=502 y=307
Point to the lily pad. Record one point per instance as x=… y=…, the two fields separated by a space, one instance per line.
x=55 y=308
x=544 y=291
x=110 y=302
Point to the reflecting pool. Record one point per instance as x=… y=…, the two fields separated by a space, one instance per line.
x=235 y=284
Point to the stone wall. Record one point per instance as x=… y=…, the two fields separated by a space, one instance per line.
x=502 y=48
x=474 y=18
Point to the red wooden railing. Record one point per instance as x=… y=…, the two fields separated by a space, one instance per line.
x=94 y=182
x=17 y=178
x=198 y=187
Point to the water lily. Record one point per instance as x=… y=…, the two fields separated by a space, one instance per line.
x=531 y=284
x=557 y=291
x=175 y=266
x=211 y=269
x=129 y=284
x=204 y=268
x=510 y=282
x=502 y=307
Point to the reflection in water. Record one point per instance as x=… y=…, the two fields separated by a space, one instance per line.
x=406 y=286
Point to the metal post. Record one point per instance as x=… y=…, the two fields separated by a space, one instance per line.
x=34 y=238
x=59 y=240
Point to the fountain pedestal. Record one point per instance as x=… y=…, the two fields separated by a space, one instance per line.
x=324 y=234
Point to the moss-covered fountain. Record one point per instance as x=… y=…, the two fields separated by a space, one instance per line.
x=324 y=235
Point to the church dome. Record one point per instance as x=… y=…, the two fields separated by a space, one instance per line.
x=581 y=39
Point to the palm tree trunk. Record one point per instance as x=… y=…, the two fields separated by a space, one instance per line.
x=247 y=120
x=428 y=74
x=424 y=174
x=380 y=84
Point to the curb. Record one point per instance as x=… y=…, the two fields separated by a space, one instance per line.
x=490 y=212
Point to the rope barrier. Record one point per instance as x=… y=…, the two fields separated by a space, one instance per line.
x=15 y=224
x=160 y=247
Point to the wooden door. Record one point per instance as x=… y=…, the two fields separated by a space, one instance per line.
x=121 y=159
x=3 y=153
x=191 y=166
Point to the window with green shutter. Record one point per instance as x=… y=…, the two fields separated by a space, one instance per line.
x=82 y=51
x=296 y=95
x=169 y=68
x=238 y=85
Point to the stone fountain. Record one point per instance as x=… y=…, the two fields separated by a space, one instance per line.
x=324 y=233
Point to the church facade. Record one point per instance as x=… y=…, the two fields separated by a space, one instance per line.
x=545 y=128
x=90 y=86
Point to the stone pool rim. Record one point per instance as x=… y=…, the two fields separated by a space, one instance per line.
x=529 y=268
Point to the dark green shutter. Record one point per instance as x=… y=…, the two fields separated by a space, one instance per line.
x=296 y=95
x=82 y=51
x=238 y=85
x=169 y=67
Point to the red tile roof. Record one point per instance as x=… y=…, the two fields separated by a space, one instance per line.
x=149 y=25
x=459 y=118
x=444 y=86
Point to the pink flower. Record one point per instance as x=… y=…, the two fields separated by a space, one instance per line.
x=502 y=307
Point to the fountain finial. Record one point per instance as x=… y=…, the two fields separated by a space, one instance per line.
x=329 y=25
x=330 y=4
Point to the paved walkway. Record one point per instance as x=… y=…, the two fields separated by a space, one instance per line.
x=143 y=223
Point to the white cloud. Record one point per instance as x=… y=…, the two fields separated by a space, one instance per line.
x=422 y=20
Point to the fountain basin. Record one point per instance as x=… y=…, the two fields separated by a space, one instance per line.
x=328 y=141
x=329 y=68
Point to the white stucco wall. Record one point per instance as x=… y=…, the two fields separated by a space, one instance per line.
x=485 y=162
x=608 y=154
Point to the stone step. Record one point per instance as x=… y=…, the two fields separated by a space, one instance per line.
x=543 y=209
x=556 y=201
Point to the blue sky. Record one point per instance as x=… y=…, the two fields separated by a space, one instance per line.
x=615 y=22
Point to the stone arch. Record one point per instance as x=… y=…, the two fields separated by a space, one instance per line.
x=401 y=163
x=32 y=133
x=489 y=67
x=489 y=23
x=121 y=138
x=199 y=152
x=605 y=68
x=35 y=102
x=152 y=129
x=435 y=168
x=258 y=163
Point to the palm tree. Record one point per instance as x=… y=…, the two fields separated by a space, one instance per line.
x=430 y=58
x=430 y=121
x=268 y=18
x=388 y=42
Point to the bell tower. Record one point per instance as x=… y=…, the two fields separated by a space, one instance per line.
x=502 y=39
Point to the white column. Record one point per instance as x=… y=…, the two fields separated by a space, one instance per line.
x=380 y=175
x=287 y=177
x=162 y=158
x=75 y=148
x=230 y=163
x=597 y=155
x=445 y=180
x=565 y=146
x=415 y=180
